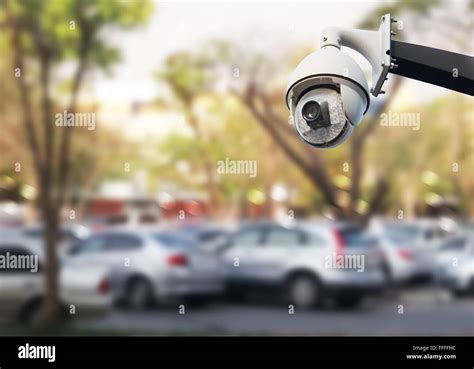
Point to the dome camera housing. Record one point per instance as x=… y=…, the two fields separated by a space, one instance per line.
x=331 y=85
x=328 y=94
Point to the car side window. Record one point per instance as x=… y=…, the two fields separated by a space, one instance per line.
x=122 y=242
x=313 y=239
x=435 y=233
x=457 y=244
x=93 y=244
x=249 y=237
x=279 y=236
x=209 y=236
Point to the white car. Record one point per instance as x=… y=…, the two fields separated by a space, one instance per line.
x=409 y=247
x=304 y=262
x=84 y=291
x=455 y=264
x=149 y=266
x=69 y=235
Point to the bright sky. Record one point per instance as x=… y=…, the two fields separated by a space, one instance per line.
x=184 y=25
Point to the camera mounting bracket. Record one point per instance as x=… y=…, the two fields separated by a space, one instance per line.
x=438 y=67
x=373 y=45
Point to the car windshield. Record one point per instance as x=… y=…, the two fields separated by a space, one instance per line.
x=172 y=240
x=456 y=244
x=401 y=232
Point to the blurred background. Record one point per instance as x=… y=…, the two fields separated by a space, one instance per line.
x=148 y=164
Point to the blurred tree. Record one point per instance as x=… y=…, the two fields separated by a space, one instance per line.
x=42 y=35
x=187 y=76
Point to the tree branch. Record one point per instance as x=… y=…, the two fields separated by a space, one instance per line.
x=313 y=168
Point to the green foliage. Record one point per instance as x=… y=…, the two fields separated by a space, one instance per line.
x=62 y=25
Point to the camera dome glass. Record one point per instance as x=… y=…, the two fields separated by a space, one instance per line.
x=327 y=125
x=311 y=111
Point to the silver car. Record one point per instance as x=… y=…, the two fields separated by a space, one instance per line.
x=409 y=247
x=305 y=262
x=151 y=266
x=455 y=264
x=84 y=291
x=210 y=237
x=68 y=235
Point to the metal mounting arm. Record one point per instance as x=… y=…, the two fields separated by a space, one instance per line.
x=437 y=67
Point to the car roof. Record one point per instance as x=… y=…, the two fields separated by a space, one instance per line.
x=306 y=225
x=140 y=232
x=32 y=245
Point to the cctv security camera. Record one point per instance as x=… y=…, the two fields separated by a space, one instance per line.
x=328 y=94
x=327 y=105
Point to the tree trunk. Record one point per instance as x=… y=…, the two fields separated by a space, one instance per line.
x=52 y=285
x=309 y=161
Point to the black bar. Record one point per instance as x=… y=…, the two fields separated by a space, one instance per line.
x=241 y=352
x=434 y=66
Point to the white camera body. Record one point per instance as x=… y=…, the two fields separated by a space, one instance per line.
x=328 y=93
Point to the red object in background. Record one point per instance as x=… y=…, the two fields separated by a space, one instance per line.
x=191 y=208
x=105 y=207
x=257 y=211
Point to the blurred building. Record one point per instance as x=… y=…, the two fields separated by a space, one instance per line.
x=121 y=202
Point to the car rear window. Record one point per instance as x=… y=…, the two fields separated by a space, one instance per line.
x=172 y=241
x=357 y=237
x=401 y=232
x=122 y=241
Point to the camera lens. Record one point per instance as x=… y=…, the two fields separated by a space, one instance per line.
x=311 y=111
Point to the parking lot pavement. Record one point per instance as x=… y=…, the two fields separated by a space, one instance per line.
x=427 y=313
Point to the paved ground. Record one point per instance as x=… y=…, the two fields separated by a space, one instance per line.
x=425 y=312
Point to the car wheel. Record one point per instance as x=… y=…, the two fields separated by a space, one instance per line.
x=139 y=294
x=304 y=291
x=348 y=301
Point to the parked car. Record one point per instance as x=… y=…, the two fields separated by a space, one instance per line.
x=69 y=235
x=409 y=247
x=209 y=237
x=293 y=261
x=22 y=288
x=455 y=264
x=151 y=266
